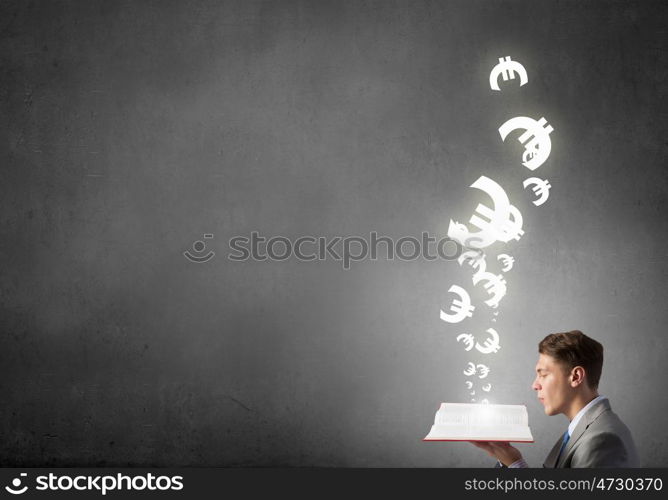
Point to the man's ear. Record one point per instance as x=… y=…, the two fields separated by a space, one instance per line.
x=577 y=376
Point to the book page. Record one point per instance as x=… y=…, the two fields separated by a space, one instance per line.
x=480 y=414
x=480 y=422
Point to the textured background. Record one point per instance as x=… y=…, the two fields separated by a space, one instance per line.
x=129 y=129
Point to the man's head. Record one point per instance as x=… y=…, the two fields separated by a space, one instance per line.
x=569 y=365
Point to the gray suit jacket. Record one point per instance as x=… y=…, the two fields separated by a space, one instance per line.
x=599 y=440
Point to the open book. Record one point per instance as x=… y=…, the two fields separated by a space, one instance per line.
x=480 y=422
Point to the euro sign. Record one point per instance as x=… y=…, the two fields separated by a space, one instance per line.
x=461 y=308
x=483 y=371
x=536 y=150
x=468 y=340
x=487 y=387
x=504 y=220
x=474 y=257
x=501 y=222
x=480 y=267
x=512 y=227
x=507 y=68
x=476 y=260
x=494 y=284
x=540 y=188
x=506 y=260
x=469 y=384
x=470 y=369
x=491 y=344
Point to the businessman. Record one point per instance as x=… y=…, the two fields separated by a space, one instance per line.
x=567 y=375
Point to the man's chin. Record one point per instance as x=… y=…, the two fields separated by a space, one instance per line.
x=546 y=408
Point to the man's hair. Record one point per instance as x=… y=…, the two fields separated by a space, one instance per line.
x=573 y=349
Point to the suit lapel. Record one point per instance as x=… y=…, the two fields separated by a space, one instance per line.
x=586 y=420
x=551 y=459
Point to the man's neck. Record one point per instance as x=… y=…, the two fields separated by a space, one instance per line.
x=580 y=401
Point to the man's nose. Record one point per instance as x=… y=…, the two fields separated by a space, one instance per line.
x=535 y=385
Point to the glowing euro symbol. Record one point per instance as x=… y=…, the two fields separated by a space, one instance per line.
x=468 y=340
x=503 y=222
x=481 y=370
x=540 y=188
x=512 y=227
x=469 y=384
x=506 y=260
x=487 y=387
x=537 y=150
x=469 y=370
x=494 y=284
x=476 y=260
x=491 y=344
x=484 y=371
x=461 y=307
x=472 y=256
x=507 y=68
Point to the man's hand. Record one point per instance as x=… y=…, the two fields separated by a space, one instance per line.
x=501 y=450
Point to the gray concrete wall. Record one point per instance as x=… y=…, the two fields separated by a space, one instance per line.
x=131 y=129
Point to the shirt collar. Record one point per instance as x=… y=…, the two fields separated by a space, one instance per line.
x=576 y=419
